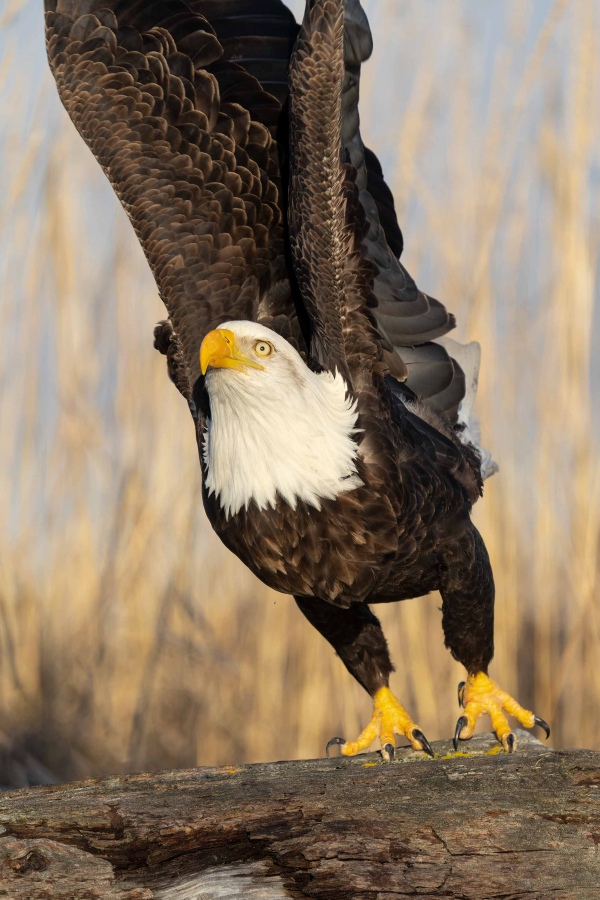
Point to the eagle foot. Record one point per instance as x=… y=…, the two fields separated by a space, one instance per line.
x=389 y=719
x=478 y=695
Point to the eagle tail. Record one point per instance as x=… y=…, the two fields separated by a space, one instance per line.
x=468 y=426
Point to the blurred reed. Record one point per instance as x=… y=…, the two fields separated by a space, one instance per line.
x=129 y=637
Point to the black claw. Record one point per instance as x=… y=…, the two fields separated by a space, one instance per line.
x=543 y=725
x=462 y=721
x=510 y=741
x=390 y=750
x=336 y=740
x=461 y=686
x=418 y=735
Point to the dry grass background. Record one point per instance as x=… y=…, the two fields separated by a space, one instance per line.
x=129 y=637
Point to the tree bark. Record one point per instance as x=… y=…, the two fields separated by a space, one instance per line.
x=474 y=825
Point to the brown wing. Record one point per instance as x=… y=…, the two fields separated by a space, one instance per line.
x=334 y=278
x=408 y=319
x=365 y=234
x=196 y=175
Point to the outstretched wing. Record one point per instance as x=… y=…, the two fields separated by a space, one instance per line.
x=149 y=88
x=344 y=232
x=334 y=276
x=191 y=128
x=408 y=319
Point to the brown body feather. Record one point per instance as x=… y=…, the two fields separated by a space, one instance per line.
x=196 y=147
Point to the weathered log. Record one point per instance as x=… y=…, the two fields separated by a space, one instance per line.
x=478 y=824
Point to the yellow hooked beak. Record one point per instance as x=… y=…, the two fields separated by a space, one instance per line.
x=219 y=349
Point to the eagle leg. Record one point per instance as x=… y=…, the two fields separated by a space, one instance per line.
x=479 y=695
x=357 y=637
x=468 y=622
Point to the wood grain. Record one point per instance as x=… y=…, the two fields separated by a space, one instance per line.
x=475 y=825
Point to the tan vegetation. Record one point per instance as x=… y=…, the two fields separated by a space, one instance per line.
x=129 y=637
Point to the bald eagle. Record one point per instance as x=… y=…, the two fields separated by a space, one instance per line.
x=339 y=458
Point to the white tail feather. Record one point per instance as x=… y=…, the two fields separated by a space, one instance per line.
x=468 y=356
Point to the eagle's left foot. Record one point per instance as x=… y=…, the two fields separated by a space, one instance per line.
x=389 y=719
x=479 y=695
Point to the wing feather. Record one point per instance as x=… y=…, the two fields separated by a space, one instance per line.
x=407 y=318
x=326 y=226
x=197 y=177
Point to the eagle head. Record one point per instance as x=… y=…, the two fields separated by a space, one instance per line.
x=277 y=431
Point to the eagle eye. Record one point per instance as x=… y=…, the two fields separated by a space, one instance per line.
x=263 y=348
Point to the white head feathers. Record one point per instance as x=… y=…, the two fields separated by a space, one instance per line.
x=280 y=432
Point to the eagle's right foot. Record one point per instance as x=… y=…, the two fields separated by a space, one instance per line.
x=389 y=719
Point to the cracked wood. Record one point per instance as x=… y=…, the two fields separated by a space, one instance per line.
x=474 y=825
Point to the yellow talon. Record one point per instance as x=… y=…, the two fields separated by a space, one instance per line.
x=481 y=695
x=389 y=719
